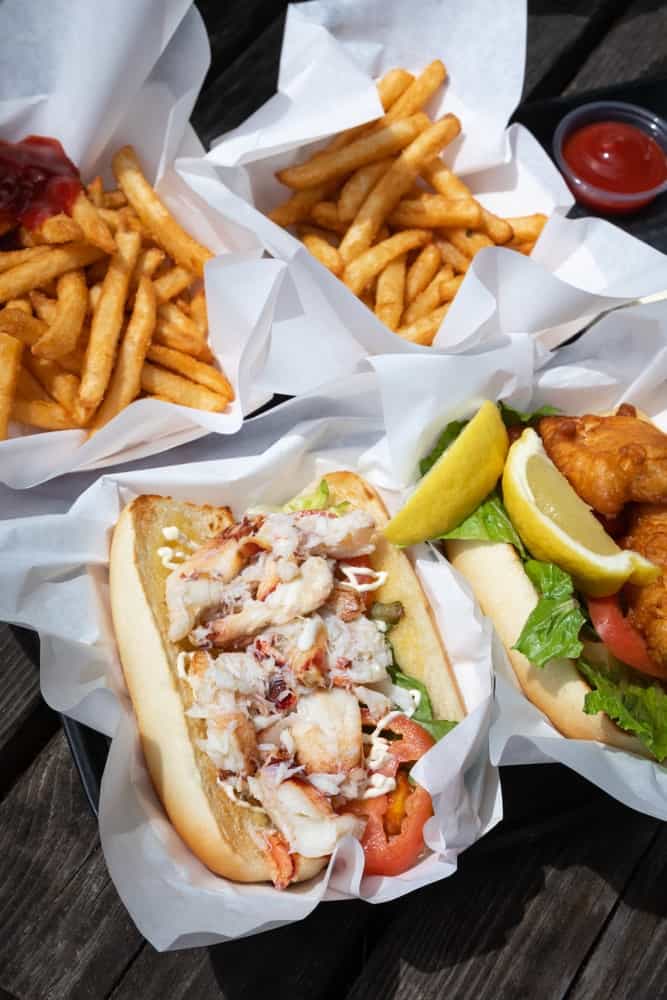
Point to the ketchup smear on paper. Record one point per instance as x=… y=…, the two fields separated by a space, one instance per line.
x=37 y=180
x=615 y=157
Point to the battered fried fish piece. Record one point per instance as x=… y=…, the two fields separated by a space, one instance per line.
x=609 y=461
x=647 y=606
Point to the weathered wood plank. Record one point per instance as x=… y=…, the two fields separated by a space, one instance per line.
x=65 y=933
x=320 y=956
x=26 y=723
x=231 y=29
x=635 y=47
x=629 y=958
x=516 y=921
x=248 y=82
x=560 y=37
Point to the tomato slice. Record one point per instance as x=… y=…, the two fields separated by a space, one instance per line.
x=620 y=636
x=388 y=854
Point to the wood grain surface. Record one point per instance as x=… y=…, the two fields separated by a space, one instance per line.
x=566 y=899
x=635 y=47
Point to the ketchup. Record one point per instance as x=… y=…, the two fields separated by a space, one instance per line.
x=36 y=180
x=615 y=157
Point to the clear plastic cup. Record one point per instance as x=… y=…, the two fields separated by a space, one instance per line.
x=601 y=199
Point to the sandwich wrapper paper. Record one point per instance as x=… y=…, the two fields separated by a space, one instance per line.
x=332 y=51
x=140 y=88
x=53 y=578
x=623 y=358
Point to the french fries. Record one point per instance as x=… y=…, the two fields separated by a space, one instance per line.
x=103 y=306
x=10 y=363
x=162 y=226
x=358 y=203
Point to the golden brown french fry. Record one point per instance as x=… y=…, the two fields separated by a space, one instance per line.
x=22 y=304
x=448 y=184
x=65 y=329
x=324 y=252
x=367 y=149
x=441 y=289
x=452 y=256
x=390 y=293
x=325 y=214
x=43 y=305
x=93 y=226
x=19 y=324
x=525 y=248
x=196 y=371
x=148 y=262
x=10 y=364
x=422 y=271
x=176 y=330
x=357 y=188
x=107 y=321
x=38 y=413
x=29 y=388
x=396 y=182
x=114 y=199
x=299 y=206
x=433 y=211
x=527 y=228
x=154 y=215
x=59 y=228
x=364 y=268
x=12 y=258
x=159 y=381
x=38 y=272
x=94 y=294
x=172 y=283
x=73 y=362
x=304 y=229
x=59 y=384
x=125 y=384
x=96 y=192
x=420 y=91
x=425 y=329
x=198 y=311
x=467 y=241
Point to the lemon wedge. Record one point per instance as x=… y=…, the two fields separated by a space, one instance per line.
x=557 y=526
x=458 y=482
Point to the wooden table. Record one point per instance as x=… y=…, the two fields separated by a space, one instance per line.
x=567 y=898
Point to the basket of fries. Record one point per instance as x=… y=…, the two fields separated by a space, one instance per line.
x=114 y=343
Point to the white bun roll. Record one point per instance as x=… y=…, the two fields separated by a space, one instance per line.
x=507 y=596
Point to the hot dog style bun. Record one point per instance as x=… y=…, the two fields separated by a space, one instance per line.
x=507 y=596
x=227 y=835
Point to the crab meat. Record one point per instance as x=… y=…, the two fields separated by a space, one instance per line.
x=231 y=743
x=200 y=582
x=311 y=532
x=302 y=814
x=296 y=598
x=357 y=649
x=310 y=665
x=327 y=732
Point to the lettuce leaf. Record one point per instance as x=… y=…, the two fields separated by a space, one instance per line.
x=631 y=700
x=450 y=434
x=553 y=626
x=319 y=499
x=512 y=417
x=489 y=523
x=423 y=714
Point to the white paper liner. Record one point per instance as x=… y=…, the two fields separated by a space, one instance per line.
x=332 y=50
x=622 y=359
x=139 y=87
x=53 y=577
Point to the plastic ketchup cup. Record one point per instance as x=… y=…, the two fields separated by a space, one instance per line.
x=612 y=155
